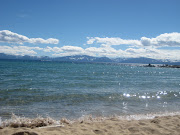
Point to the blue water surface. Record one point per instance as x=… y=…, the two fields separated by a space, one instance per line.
x=59 y=89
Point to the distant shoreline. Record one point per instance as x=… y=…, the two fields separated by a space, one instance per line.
x=163 y=66
x=89 y=59
x=115 y=63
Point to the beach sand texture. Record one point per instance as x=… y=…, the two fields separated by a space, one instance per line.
x=165 y=125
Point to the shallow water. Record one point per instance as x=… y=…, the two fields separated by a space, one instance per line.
x=71 y=90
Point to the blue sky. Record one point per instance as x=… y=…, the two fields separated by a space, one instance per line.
x=112 y=28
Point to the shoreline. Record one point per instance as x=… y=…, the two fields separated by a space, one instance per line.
x=165 y=125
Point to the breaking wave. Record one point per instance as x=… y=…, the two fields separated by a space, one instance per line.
x=16 y=121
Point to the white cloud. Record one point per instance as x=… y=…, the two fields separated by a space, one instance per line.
x=153 y=53
x=91 y=40
x=112 y=41
x=65 y=50
x=72 y=49
x=106 y=51
x=19 y=50
x=149 y=52
x=48 y=49
x=166 y=39
x=145 y=47
x=67 y=54
x=102 y=51
x=11 y=37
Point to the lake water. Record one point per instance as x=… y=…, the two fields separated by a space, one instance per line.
x=72 y=90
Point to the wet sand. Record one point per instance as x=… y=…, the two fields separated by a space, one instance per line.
x=165 y=125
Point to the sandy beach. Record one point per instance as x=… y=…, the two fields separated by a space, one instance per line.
x=165 y=125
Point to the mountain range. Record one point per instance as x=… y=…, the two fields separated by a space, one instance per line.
x=91 y=59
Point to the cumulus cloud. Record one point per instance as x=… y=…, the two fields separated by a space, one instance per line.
x=145 y=47
x=106 y=51
x=65 y=50
x=154 y=53
x=19 y=50
x=11 y=37
x=102 y=51
x=112 y=41
x=72 y=49
x=166 y=39
x=109 y=51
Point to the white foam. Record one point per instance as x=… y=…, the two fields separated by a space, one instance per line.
x=0 y=121
x=40 y=122
x=147 y=116
x=16 y=121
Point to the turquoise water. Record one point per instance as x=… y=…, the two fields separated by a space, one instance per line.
x=71 y=90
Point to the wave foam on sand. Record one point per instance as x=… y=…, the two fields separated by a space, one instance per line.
x=164 y=123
